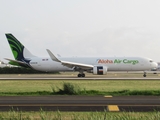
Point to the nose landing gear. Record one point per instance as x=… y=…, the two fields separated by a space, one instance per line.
x=144 y=75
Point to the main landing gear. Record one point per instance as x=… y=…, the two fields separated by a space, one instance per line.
x=81 y=75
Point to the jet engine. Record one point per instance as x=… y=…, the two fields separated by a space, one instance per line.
x=99 y=70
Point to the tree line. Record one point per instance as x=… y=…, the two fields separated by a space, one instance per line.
x=21 y=70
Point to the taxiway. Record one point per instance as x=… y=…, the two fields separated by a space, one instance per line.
x=80 y=103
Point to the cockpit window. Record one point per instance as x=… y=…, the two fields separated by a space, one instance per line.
x=150 y=60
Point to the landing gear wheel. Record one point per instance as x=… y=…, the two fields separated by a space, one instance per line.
x=79 y=75
x=144 y=75
x=83 y=75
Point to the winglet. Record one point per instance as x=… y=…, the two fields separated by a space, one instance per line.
x=52 y=56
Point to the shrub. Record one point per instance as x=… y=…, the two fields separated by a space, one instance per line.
x=68 y=89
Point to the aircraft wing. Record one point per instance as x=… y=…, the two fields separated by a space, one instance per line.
x=17 y=63
x=70 y=64
x=79 y=65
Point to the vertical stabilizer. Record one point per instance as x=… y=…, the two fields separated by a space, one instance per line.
x=19 y=51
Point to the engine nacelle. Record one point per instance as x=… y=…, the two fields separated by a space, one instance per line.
x=99 y=70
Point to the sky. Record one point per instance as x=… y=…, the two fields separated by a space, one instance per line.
x=82 y=28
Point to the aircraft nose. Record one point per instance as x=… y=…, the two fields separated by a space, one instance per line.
x=154 y=66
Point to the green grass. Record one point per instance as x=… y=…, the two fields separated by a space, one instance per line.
x=85 y=87
x=100 y=85
x=57 y=115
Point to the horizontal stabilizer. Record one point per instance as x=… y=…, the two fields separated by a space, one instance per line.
x=16 y=62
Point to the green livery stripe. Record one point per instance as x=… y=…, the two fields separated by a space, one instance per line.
x=15 y=41
x=17 y=45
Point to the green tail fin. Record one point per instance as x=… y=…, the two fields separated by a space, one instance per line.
x=16 y=47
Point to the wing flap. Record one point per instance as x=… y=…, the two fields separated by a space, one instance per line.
x=80 y=65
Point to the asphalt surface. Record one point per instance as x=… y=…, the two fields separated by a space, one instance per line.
x=80 y=103
x=73 y=76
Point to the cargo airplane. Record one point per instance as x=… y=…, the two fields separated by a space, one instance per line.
x=95 y=65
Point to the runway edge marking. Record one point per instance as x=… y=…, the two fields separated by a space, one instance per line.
x=113 y=108
x=108 y=96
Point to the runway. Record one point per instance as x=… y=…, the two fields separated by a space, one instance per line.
x=109 y=76
x=80 y=103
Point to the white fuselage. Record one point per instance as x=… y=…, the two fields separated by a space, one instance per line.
x=112 y=63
